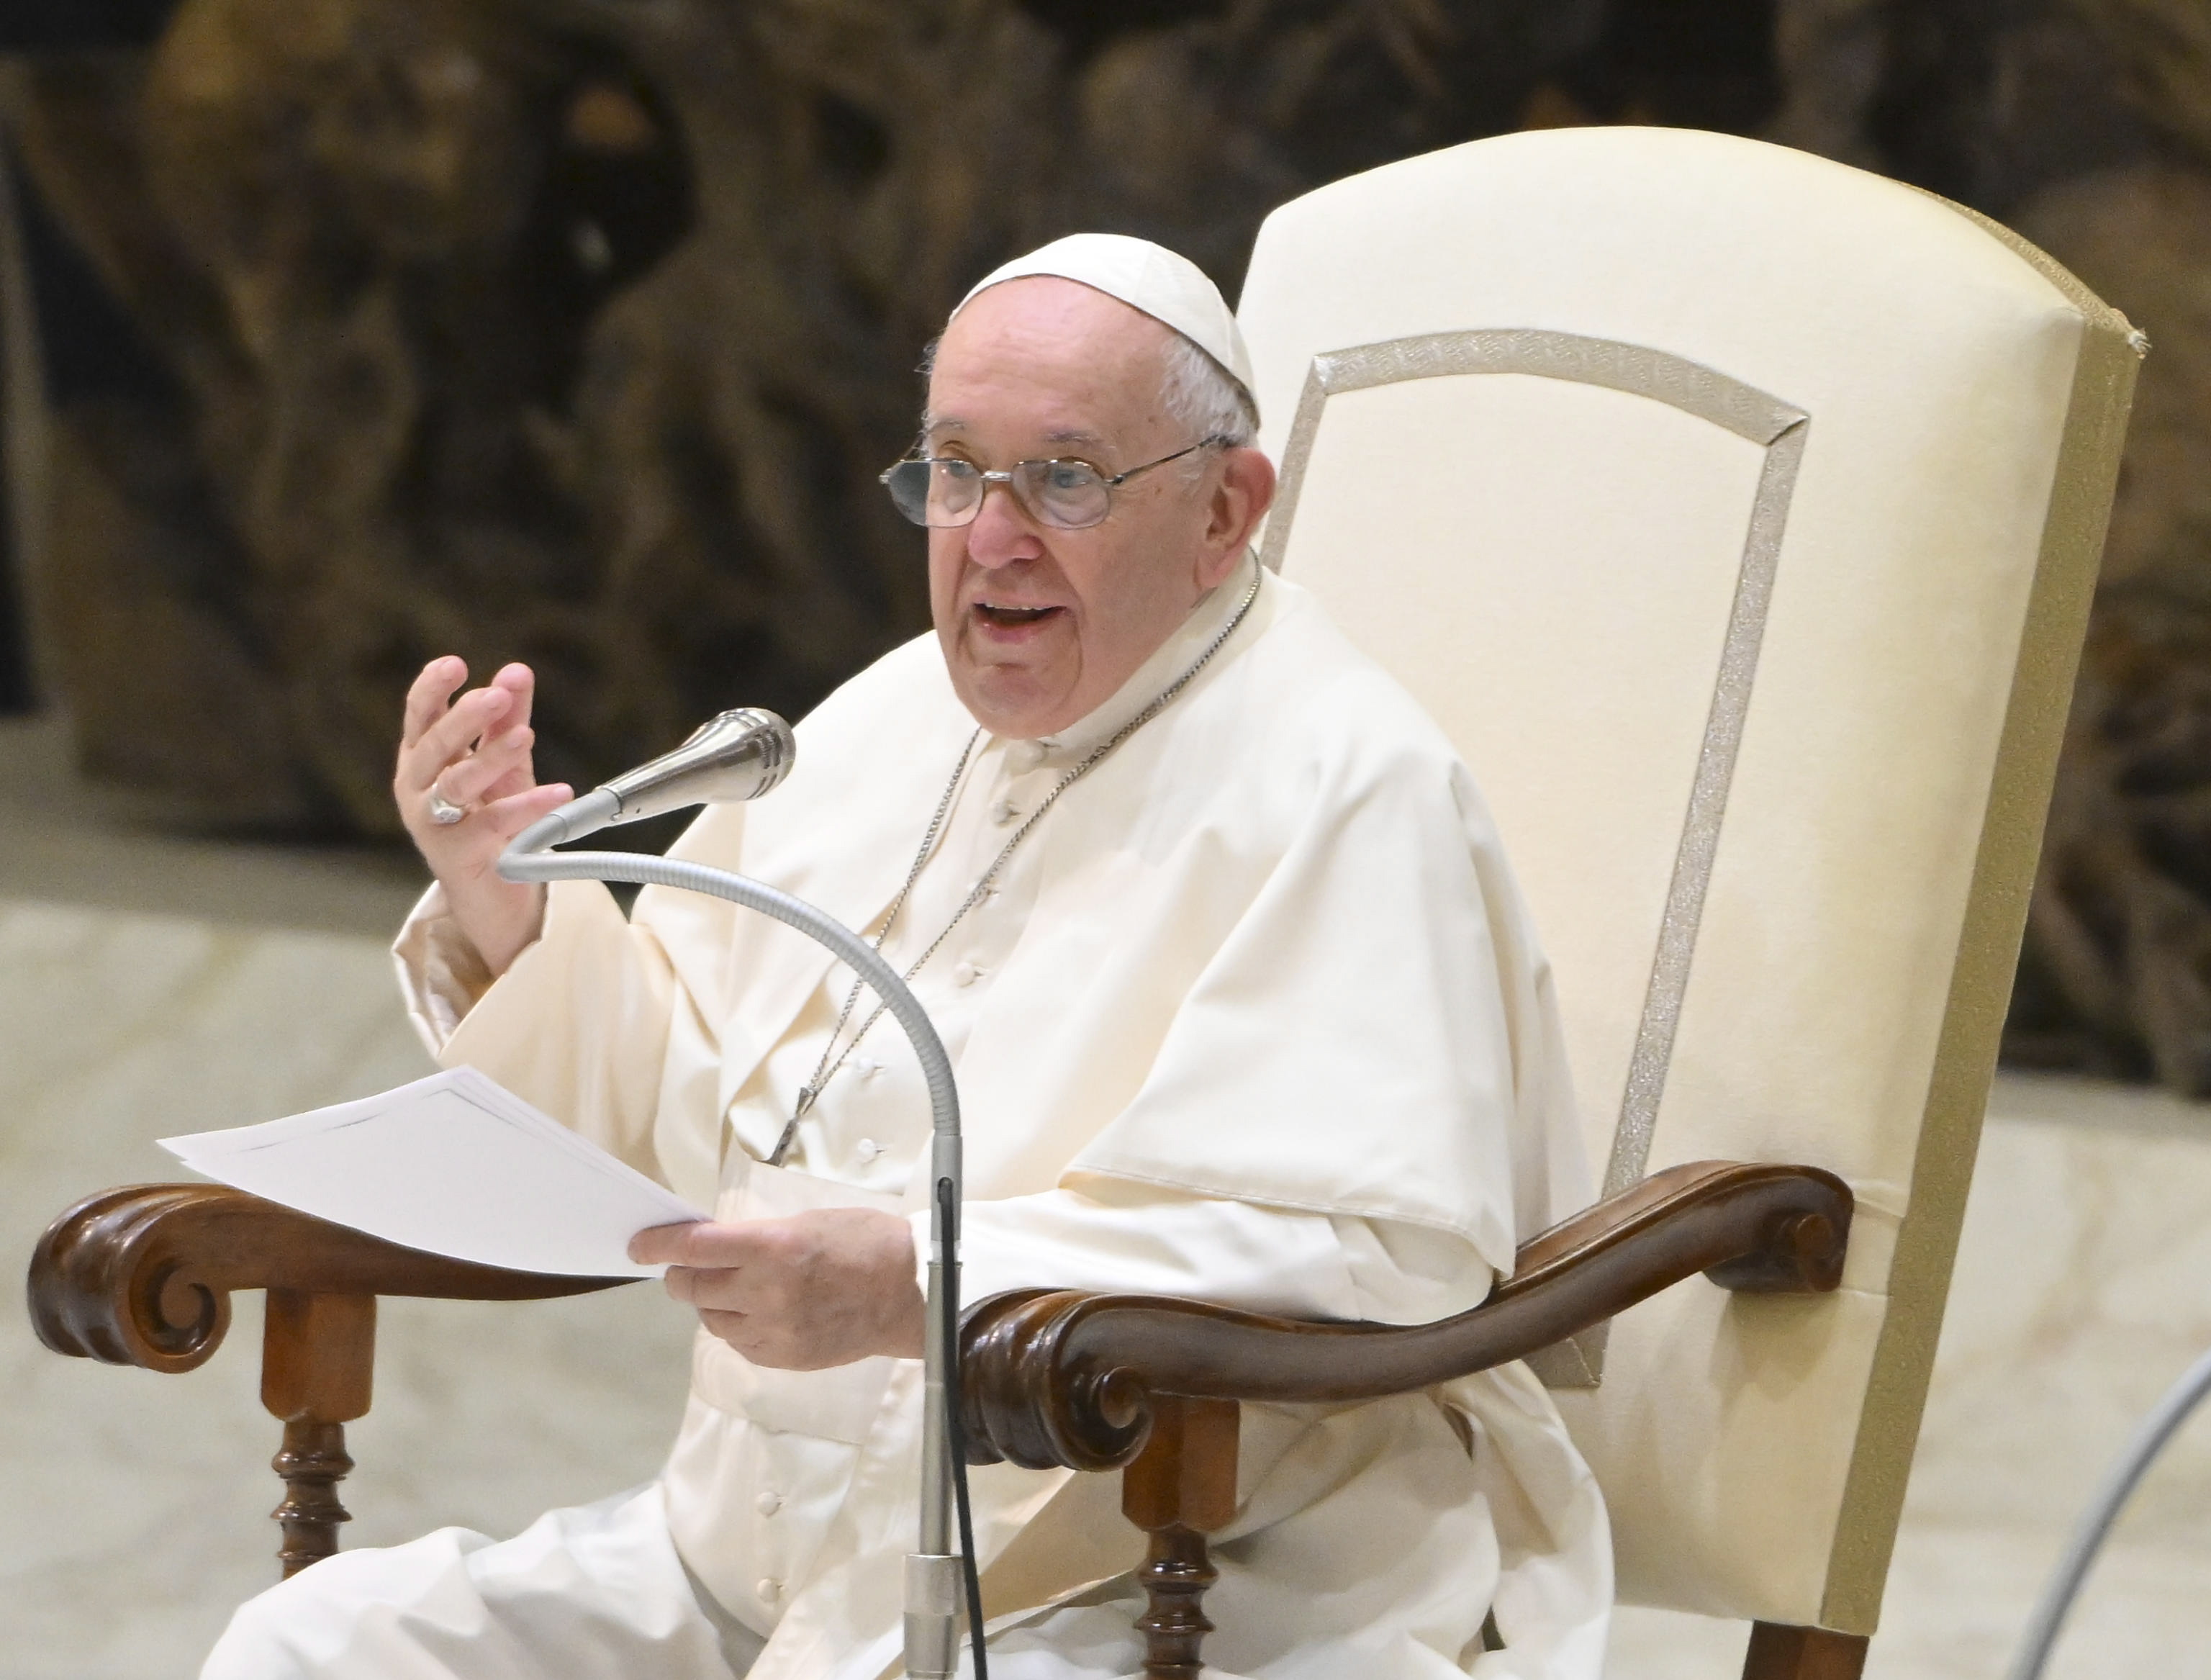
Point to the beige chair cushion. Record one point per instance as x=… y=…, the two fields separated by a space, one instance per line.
x=1736 y=512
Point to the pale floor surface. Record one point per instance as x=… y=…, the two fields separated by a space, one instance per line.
x=132 y=1506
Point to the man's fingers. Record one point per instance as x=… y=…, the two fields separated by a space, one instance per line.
x=510 y=815
x=712 y=1245
x=521 y=773
x=449 y=738
x=744 y=1332
x=798 y=1293
x=664 y=1244
x=467 y=781
x=520 y=681
x=427 y=695
x=520 y=778
x=740 y=1290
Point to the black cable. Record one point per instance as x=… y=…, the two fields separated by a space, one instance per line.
x=955 y=1426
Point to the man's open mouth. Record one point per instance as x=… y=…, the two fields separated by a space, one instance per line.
x=1012 y=617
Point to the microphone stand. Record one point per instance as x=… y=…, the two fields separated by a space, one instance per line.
x=935 y=1574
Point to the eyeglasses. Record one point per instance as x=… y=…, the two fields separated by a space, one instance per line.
x=943 y=492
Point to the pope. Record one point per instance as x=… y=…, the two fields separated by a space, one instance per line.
x=1243 y=1003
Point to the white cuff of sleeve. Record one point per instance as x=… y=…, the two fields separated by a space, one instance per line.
x=441 y=973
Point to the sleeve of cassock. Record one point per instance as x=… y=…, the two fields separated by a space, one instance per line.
x=1138 y=1239
x=1367 y=1038
x=590 y=967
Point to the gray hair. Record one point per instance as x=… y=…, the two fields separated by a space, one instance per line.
x=1197 y=391
x=1205 y=396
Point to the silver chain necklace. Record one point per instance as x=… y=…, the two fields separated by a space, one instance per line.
x=826 y=1069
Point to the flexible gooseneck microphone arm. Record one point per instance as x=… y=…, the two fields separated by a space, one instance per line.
x=741 y=755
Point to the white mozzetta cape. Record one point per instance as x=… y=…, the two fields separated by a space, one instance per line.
x=1267 y=953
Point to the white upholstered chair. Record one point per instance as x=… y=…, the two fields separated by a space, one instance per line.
x=1737 y=512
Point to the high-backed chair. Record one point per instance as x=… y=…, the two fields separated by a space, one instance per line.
x=1737 y=513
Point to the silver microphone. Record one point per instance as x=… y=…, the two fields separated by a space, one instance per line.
x=739 y=755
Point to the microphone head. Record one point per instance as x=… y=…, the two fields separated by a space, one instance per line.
x=739 y=755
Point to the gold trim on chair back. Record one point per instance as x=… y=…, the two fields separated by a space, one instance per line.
x=1737 y=512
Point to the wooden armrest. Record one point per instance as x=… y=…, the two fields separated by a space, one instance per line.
x=143 y=1275
x=1062 y=1378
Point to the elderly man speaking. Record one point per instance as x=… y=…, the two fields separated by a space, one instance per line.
x=1243 y=1003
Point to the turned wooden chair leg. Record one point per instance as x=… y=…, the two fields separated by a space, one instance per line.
x=1179 y=1488
x=1782 y=1652
x=317 y=1353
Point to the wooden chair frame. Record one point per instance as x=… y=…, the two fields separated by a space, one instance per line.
x=1148 y=1386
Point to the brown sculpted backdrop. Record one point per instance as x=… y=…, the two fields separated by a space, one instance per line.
x=577 y=330
x=577 y=333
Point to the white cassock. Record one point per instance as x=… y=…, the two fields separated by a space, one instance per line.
x=1254 y=1014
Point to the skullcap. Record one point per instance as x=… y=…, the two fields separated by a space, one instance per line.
x=1162 y=283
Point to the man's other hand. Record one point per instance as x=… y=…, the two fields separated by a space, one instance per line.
x=797 y=1293
x=475 y=753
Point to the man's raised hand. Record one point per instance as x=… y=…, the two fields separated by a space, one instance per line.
x=475 y=753
x=798 y=1294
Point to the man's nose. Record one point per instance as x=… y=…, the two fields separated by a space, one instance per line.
x=1002 y=532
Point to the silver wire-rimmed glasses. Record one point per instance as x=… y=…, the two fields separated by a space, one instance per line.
x=945 y=491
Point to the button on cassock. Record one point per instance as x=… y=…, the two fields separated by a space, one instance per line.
x=767 y=1505
x=767 y=1589
x=964 y=973
x=1024 y=757
x=1003 y=812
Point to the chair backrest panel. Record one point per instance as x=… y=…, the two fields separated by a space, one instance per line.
x=1632 y=554
x=1736 y=511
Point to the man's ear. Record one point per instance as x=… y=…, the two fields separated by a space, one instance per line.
x=1241 y=496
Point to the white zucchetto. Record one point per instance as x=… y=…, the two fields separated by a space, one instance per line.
x=1162 y=283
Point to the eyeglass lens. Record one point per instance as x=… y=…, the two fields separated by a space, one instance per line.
x=1069 y=494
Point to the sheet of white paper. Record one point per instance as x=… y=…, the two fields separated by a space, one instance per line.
x=456 y=1164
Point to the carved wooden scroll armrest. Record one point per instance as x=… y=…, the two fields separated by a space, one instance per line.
x=1062 y=1378
x=143 y=1275
x=1151 y=1385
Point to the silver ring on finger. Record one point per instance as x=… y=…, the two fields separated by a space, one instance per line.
x=443 y=811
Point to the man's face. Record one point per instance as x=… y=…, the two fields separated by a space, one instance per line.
x=1039 y=625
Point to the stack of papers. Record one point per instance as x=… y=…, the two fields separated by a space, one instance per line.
x=455 y=1164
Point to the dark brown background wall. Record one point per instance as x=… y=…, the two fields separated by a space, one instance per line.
x=576 y=332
